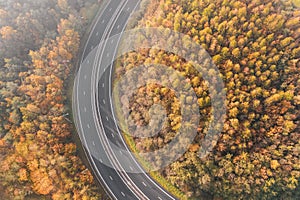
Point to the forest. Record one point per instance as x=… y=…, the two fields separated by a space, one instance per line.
x=255 y=46
x=39 y=44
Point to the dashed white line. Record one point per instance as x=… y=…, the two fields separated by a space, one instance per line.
x=121 y=152
x=130 y=168
x=88 y=61
x=94 y=143
x=113 y=135
x=88 y=125
x=84 y=93
x=104 y=102
x=107 y=55
x=85 y=77
x=112 y=41
x=102 y=21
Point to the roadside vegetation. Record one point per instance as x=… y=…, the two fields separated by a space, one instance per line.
x=39 y=42
x=255 y=45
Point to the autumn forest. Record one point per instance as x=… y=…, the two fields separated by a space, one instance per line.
x=254 y=45
x=39 y=42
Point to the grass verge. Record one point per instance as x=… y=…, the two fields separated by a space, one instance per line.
x=131 y=145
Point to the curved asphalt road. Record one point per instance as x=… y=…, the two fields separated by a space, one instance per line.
x=93 y=112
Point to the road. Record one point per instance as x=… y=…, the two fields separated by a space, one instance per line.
x=119 y=173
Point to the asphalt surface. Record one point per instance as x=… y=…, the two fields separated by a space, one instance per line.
x=117 y=171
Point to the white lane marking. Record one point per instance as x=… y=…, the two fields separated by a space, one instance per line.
x=97 y=33
x=106 y=118
x=84 y=109
x=110 y=9
x=113 y=135
x=112 y=41
x=102 y=21
x=104 y=101
x=118 y=26
x=88 y=125
x=88 y=61
x=101 y=160
x=81 y=127
x=130 y=168
x=123 y=194
x=128 y=8
x=107 y=55
x=94 y=143
x=103 y=85
x=111 y=178
x=84 y=93
x=121 y=152
x=85 y=77
x=159 y=198
x=144 y=184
